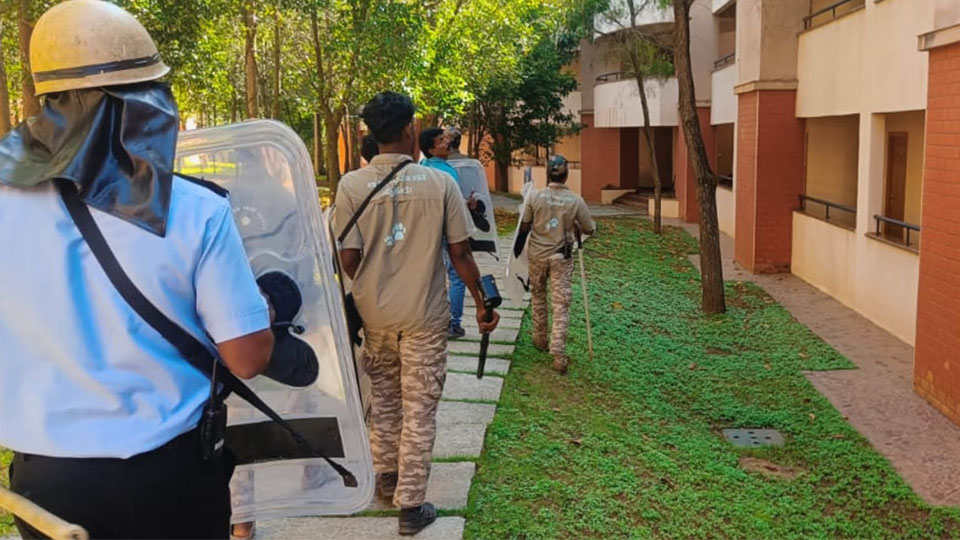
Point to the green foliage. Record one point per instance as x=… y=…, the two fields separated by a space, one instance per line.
x=6 y=520
x=628 y=446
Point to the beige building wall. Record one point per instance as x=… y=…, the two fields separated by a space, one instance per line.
x=872 y=278
x=761 y=53
x=727 y=211
x=911 y=123
x=865 y=62
x=833 y=146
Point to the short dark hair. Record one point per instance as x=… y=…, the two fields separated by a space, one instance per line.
x=427 y=138
x=386 y=115
x=369 y=148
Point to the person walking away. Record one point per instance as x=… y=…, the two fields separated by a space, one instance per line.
x=435 y=144
x=392 y=254
x=100 y=410
x=550 y=218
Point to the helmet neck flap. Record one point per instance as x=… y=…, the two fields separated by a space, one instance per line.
x=116 y=143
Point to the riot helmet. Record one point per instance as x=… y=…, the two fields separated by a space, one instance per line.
x=91 y=44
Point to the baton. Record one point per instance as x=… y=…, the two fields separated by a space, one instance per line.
x=491 y=300
x=586 y=302
x=40 y=519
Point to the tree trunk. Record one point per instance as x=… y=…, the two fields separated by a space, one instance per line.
x=651 y=147
x=250 y=63
x=502 y=176
x=275 y=113
x=331 y=128
x=4 y=91
x=711 y=265
x=31 y=105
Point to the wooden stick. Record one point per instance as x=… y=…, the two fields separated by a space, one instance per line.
x=40 y=519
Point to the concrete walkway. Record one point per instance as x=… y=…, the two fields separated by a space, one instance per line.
x=877 y=398
x=466 y=409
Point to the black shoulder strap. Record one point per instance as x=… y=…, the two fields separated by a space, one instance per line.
x=363 y=205
x=212 y=186
x=189 y=347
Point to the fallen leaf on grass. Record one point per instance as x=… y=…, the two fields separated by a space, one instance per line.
x=813 y=417
x=576 y=442
x=767 y=366
x=838 y=436
x=617 y=305
x=693 y=366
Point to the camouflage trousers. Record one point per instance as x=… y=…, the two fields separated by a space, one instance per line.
x=407 y=371
x=559 y=272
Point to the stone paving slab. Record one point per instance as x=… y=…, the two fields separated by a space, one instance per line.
x=469 y=363
x=459 y=441
x=384 y=528
x=460 y=386
x=463 y=347
x=457 y=413
x=501 y=334
x=505 y=322
x=447 y=489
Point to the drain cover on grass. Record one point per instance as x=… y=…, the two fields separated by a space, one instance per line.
x=753 y=438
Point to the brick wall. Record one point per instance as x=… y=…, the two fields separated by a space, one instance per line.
x=685 y=183
x=937 y=363
x=769 y=177
x=599 y=158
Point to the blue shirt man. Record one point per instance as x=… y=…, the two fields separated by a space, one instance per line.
x=435 y=144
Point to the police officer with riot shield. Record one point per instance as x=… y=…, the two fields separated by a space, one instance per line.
x=391 y=218
x=101 y=409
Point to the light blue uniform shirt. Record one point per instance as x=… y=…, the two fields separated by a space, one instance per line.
x=81 y=374
x=441 y=165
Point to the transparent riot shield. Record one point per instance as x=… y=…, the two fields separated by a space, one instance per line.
x=517 y=270
x=473 y=186
x=267 y=170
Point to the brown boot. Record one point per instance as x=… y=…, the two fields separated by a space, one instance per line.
x=560 y=363
x=540 y=344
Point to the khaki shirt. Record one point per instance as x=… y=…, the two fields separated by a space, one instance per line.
x=400 y=284
x=554 y=210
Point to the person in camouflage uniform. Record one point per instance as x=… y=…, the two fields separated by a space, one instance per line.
x=393 y=256
x=550 y=218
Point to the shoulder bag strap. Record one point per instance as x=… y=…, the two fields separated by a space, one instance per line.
x=363 y=205
x=189 y=347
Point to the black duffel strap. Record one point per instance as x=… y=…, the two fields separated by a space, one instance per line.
x=189 y=347
x=363 y=206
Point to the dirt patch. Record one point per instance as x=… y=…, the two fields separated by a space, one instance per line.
x=769 y=468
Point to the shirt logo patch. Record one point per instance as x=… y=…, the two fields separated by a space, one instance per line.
x=396 y=235
x=553 y=224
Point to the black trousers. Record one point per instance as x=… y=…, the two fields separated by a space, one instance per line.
x=167 y=493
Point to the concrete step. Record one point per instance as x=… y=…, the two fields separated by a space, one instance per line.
x=501 y=334
x=458 y=413
x=367 y=528
x=459 y=441
x=463 y=386
x=447 y=489
x=462 y=347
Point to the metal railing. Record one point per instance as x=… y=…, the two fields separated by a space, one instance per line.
x=613 y=76
x=808 y=21
x=725 y=61
x=827 y=206
x=907 y=227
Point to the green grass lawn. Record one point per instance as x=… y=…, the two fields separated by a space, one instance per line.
x=6 y=520
x=629 y=446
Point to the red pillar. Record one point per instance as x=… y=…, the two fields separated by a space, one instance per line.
x=685 y=183
x=769 y=178
x=937 y=361
x=599 y=158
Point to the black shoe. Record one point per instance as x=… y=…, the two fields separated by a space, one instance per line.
x=455 y=332
x=414 y=520
x=386 y=486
